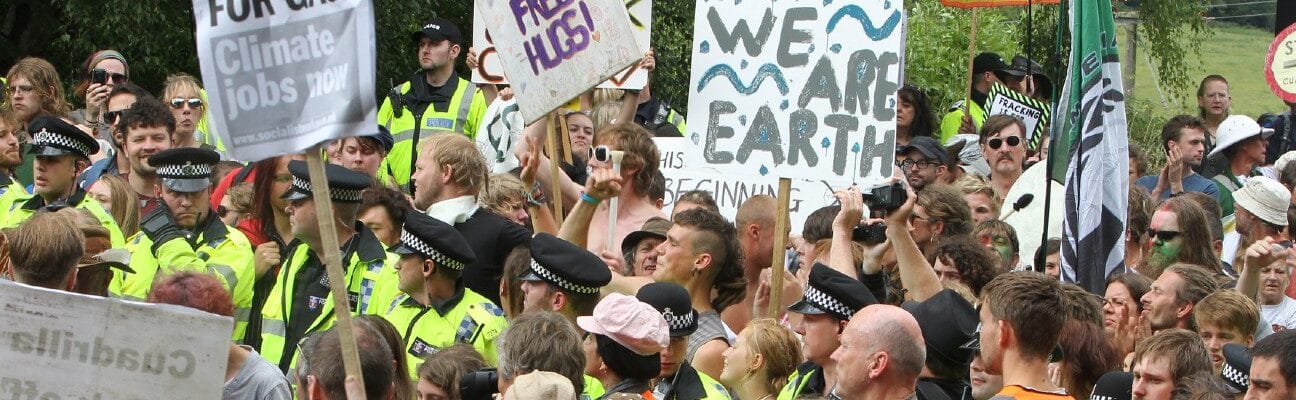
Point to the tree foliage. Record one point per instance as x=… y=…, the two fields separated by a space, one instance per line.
x=1171 y=29
x=157 y=38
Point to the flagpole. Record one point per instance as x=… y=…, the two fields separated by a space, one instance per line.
x=1052 y=140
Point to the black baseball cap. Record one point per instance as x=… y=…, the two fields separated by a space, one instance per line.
x=438 y=29
x=929 y=148
x=988 y=61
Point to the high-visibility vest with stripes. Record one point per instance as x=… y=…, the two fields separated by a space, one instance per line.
x=474 y=320
x=951 y=122
x=218 y=250
x=21 y=207
x=463 y=114
x=363 y=269
x=800 y=381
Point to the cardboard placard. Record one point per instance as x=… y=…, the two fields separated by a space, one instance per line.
x=489 y=69
x=282 y=79
x=64 y=345
x=796 y=89
x=556 y=50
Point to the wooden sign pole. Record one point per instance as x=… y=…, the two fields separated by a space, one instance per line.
x=777 y=265
x=333 y=261
x=971 y=56
x=555 y=194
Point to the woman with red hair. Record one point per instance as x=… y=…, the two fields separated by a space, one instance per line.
x=247 y=375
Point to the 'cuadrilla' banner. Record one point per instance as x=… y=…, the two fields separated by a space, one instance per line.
x=59 y=345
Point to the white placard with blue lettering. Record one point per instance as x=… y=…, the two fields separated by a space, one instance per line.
x=796 y=88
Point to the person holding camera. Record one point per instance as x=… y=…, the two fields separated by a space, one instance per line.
x=104 y=70
x=435 y=310
x=184 y=234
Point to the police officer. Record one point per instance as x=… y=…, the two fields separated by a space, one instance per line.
x=678 y=379
x=564 y=278
x=184 y=234
x=829 y=301
x=62 y=152
x=434 y=309
x=434 y=100
x=300 y=302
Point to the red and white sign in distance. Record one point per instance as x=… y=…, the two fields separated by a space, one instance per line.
x=1280 y=64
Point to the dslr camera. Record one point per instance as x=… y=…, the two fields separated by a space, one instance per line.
x=479 y=385
x=882 y=199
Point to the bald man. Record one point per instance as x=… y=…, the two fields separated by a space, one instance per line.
x=755 y=222
x=882 y=347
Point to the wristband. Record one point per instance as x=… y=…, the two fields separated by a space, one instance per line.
x=536 y=197
x=585 y=197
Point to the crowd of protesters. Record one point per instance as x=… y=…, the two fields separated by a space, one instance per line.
x=467 y=286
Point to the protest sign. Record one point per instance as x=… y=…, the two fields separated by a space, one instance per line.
x=489 y=69
x=60 y=345
x=556 y=50
x=731 y=190
x=285 y=75
x=1033 y=113
x=502 y=132
x=811 y=95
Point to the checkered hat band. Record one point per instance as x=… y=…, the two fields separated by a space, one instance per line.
x=553 y=278
x=47 y=138
x=422 y=247
x=1234 y=376
x=1101 y=397
x=677 y=322
x=191 y=171
x=347 y=195
x=826 y=302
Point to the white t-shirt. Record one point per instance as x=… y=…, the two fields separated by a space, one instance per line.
x=1282 y=314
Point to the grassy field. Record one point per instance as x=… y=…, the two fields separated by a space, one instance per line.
x=1236 y=53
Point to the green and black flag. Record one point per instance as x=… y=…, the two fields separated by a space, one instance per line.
x=1092 y=150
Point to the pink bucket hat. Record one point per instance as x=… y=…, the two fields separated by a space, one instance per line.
x=630 y=322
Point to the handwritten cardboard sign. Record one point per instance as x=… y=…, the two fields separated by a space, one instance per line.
x=554 y=50
x=796 y=88
x=489 y=69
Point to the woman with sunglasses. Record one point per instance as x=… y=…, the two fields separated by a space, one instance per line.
x=1003 y=144
x=189 y=106
x=103 y=70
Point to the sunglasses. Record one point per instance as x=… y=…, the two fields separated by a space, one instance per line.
x=1164 y=236
x=223 y=212
x=179 y=102
x=1013 y=141
x=112 y=116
